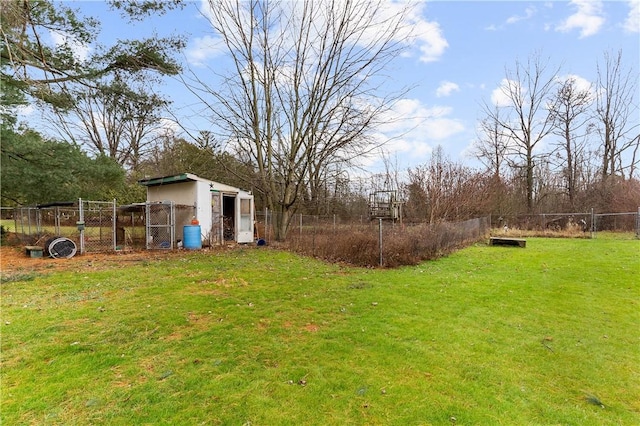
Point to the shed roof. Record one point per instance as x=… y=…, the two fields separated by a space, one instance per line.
x=56 y=204
x=165 y=180
x=188 y=177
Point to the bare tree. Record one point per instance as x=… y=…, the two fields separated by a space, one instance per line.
x=492 y=145
x=570 y=112
x=446 y=190
x=119 y=119
x=522 y=116
x=434 y=184
x=617 y=116
x=304 y=92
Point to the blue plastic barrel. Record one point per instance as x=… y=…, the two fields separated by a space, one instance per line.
x=192 y=239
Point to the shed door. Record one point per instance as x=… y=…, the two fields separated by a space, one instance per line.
x=244 y=205
x=216 y=218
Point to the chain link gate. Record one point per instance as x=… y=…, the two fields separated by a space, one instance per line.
x=161 y=225
x=97 y=225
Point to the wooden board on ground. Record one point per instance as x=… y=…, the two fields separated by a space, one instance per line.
x=33 y=251
x=503 y=241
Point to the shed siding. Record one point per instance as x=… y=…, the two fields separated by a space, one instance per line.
x=180 y=193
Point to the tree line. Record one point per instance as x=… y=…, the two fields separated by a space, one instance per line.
x=296 y=110
x=564 y=140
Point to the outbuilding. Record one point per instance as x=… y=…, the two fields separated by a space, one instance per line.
x=224 y=213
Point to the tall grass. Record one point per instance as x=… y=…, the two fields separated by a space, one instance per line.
x=486 y=335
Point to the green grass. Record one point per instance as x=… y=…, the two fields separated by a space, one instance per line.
x=49 y=228
x=549 y=334
x=9 y=225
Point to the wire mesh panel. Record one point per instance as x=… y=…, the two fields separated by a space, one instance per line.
x=183 y=214
x=378 y=242
x=160 y=225
x=576 y=222
x=58 y=220
x=33 y=225
x=35 y=222
x=27 y=223
x=130 y=227
x=99 y=221
x=616 y=222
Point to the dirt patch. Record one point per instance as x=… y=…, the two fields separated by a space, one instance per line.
x=311 y=328
x=14 y=259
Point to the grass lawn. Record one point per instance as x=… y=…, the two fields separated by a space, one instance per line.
x=549 y=334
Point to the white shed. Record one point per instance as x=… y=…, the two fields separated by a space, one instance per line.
x=225 y=213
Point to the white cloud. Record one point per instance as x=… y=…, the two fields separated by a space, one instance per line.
x=79 y=50
x=431 y=41
x=446 y=88
x=528 y=13
x=168 y=126
x=426 y=35
x=579 y=83
x=204 y=48
x=414 y=30
x=411 y=129
x=25 y=110
x=500 y=95
x=588 y=18
x=632 y=24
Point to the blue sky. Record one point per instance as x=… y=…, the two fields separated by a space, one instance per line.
x=456 y=63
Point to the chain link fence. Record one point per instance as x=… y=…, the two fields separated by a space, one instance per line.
x=99 y=226
x=617 y=222
x=161 y=222
x=31 y=224
x=375 y=242
x=586 y=224
x=89 y=224
x=131 y=227
x=97 y=221
x=162 y=219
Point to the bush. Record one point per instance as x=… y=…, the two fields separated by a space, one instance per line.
x=401 y=245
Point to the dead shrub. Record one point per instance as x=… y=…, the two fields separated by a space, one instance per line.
x=401 y=245
x=570 y=231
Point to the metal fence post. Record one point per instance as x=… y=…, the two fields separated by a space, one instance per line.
x=172 y=227
x=593 y=224
x=313 y=238
x=81 y=220
x=380 y=239
x=115 y=225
